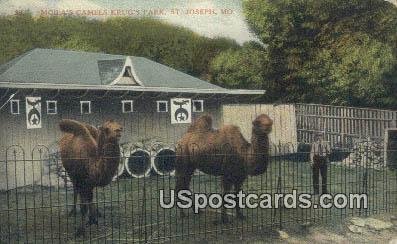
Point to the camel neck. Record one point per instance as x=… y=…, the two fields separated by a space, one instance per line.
x=260 y=143
x=108 y=161
x=107 y=147
x=260 y=153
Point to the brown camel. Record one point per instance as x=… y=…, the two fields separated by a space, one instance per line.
x=91 y=158
x=223 y=152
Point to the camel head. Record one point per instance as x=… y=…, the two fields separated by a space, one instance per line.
x=111 y=131
x=262 y=124
x=261 y=127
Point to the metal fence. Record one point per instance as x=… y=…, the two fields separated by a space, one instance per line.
x=342 y=125
x=129 y=207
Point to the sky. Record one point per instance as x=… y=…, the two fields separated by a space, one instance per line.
x=212 y=23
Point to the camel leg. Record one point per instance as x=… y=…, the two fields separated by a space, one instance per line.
x=83 y=209
x=93 y=214
x=237 y=187
x=93 y=208
x=226 y=185
x=183 y=178
x=74 y=209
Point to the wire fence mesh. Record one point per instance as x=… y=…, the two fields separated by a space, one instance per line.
x=37 y=198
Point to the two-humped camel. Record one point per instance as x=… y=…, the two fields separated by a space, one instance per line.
x=223 y=152
x=91 y=158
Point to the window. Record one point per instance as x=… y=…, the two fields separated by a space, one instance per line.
x=14 y=105
x=85 y=107
x=198 y=106
x=128 y=106
x=162 y=106
x=127 y=72
x=52 y=107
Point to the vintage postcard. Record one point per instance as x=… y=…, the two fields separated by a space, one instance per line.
x=198 y=121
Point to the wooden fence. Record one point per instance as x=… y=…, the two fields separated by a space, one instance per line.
x=342 y=124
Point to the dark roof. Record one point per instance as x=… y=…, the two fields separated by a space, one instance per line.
x=63 y=68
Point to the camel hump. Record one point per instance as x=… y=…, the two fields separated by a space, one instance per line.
x=93 y=130
x=231 y=129
x=202 y=123
x=73 y=127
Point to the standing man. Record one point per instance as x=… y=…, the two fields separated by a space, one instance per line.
x=319 y=157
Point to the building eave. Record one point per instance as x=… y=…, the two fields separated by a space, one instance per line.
x=19 y=85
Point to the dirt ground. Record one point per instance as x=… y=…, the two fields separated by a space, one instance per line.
x=374 y=229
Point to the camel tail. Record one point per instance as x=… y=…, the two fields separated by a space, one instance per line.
x=74 y=127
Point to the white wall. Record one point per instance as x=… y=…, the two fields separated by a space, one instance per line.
x=283 y=116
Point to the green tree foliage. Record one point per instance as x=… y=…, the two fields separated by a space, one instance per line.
x=171 y=45
x=330 y=51
x=77 y=43
x=362 y=71
x=244 y=68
